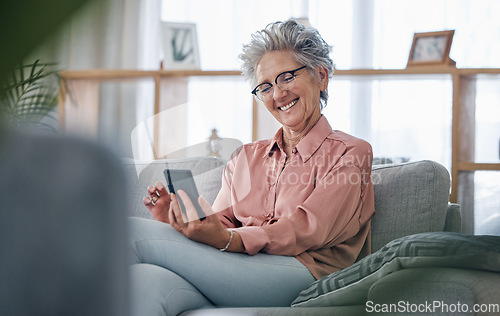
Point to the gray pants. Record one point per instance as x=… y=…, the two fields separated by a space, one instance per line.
x=171 y=274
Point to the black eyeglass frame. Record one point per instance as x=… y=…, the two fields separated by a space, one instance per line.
x=291 y=72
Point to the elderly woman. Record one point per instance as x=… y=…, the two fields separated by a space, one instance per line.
x=291 y=209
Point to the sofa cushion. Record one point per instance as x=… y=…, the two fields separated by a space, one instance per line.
x=207 y=173
x=438 y=249
x=436 y=290
x=410 y=198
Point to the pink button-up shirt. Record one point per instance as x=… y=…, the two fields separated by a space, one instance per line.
x=318 y=207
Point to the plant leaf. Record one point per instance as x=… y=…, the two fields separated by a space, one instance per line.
x=28 y=95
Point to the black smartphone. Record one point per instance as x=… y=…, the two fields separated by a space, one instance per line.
x=182 y=179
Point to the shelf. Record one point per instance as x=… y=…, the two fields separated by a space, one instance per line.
x=472 y=166
x=107 y=74
x=385 y=72
x=110 y=74
x=417 y=71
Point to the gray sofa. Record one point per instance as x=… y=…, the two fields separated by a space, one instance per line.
x=420 y=261
x=63 y=238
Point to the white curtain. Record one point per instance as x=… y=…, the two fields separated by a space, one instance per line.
x=113 y=34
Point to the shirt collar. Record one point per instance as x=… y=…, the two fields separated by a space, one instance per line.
x=277 y=141
x=307 y=145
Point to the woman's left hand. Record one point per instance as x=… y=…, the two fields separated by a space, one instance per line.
x=209 y=231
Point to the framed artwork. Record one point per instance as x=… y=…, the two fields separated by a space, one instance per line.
x=180 y=46
x=431 y=48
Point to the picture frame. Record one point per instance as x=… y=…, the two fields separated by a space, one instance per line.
x=180 y=46
x=431 y=48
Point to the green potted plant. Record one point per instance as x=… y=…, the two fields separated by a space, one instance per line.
x=28 y=96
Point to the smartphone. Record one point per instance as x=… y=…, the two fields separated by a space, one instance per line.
x=182 y=179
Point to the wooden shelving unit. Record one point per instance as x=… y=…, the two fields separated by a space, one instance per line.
x=463 y=164
x=464 y=81
x=84 y=89
x=100 y=75
x=86 y=83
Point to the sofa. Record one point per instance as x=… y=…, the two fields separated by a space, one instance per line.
x=420 y=261
x=63 y=237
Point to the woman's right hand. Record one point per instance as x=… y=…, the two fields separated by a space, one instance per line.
x=158 y=202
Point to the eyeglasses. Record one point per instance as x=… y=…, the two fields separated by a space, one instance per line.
x=285 y=80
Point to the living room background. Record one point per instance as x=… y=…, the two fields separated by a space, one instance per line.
x=403 y=119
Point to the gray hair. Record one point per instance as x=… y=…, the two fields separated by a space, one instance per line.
x=305 y=43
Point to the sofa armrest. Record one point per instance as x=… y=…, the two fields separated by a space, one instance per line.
x=453 y=221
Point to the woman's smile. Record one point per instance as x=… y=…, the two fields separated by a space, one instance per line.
x=289 y=105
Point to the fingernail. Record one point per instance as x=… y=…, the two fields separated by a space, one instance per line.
x=157 y=193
